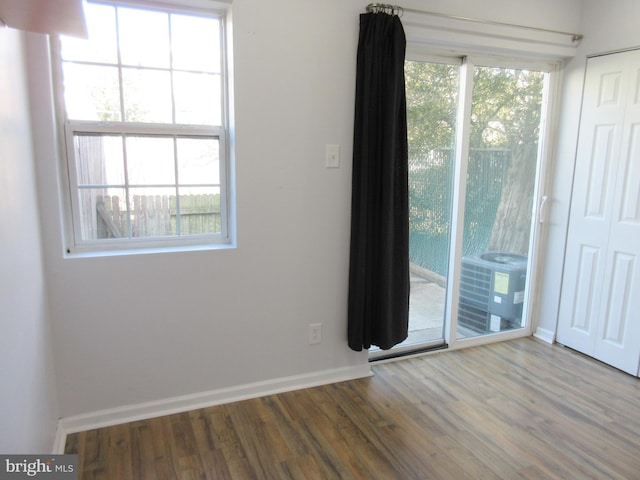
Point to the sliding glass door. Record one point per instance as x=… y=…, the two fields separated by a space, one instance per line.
x=475 y=135
x=432 y=102
x=502 y=165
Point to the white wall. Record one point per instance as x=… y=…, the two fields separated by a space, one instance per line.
x=28 y=402
x=608 y=26
x=132 y=329
x=563 y=15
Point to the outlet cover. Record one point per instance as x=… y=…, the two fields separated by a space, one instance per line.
x=315 y=333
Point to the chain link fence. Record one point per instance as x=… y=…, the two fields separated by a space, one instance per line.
x=430 y=191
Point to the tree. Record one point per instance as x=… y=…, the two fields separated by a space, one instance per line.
x=506 y=107
x=432 y=92
x=506 y=114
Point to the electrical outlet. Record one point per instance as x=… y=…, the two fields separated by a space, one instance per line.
x=315 y=333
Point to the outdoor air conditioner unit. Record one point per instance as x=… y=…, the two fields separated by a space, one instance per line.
x=492 y=291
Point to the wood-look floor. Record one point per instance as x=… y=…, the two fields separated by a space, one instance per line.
x=518 y=409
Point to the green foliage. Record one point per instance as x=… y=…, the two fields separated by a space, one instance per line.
x=505 y=110
x=432 y=91
x=506 y=107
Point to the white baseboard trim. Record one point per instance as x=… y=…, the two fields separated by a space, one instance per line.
x=545 y=335
x=59 y=440
x=168 y=406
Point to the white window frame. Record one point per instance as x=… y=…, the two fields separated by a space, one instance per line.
x=75 y=244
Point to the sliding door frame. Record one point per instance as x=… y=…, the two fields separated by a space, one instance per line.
x=539 y=205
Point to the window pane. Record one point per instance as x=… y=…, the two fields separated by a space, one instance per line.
x=199 y=210
x=144 y=38
x=101 y=46
x=198 y=98
x=195 y=43
x=150 y=161
x=147 y=96
x=150 y=212
x=103 y=213
x=91 y=92
x=198 y=161
x=503 y=157
x=99 y=160
x=154 y=73
x=432 y=101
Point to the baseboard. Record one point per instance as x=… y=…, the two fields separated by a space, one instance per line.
x=545 y=335
x=59 y=440
x=142 y=411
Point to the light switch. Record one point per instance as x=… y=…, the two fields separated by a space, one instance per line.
x=332 y=159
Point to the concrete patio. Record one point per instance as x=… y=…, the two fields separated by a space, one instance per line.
x=426 y=308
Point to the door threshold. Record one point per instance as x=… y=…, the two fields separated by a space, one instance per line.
x=381 y=355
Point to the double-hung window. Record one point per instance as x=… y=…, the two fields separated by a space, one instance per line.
x=144 y=105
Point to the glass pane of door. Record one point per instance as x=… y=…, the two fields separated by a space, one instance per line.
x=432 y=96
x=501 y=174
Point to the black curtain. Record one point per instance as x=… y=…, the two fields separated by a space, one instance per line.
x=379 y=261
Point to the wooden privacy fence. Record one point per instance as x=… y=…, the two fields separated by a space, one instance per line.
x=157 y=215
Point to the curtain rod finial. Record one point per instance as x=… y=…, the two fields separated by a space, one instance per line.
x=385 y=8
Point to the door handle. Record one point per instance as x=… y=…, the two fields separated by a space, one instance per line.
x=542 y=209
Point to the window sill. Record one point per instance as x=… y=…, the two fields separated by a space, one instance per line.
x=147 y=250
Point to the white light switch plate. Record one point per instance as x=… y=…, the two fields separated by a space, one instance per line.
x=332 y=158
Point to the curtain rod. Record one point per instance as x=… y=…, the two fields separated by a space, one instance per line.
x=398 y=10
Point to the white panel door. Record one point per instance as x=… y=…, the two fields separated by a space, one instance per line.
x=600 y=304
x=618 y=339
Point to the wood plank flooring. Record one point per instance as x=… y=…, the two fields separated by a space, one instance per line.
x=518 y=409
